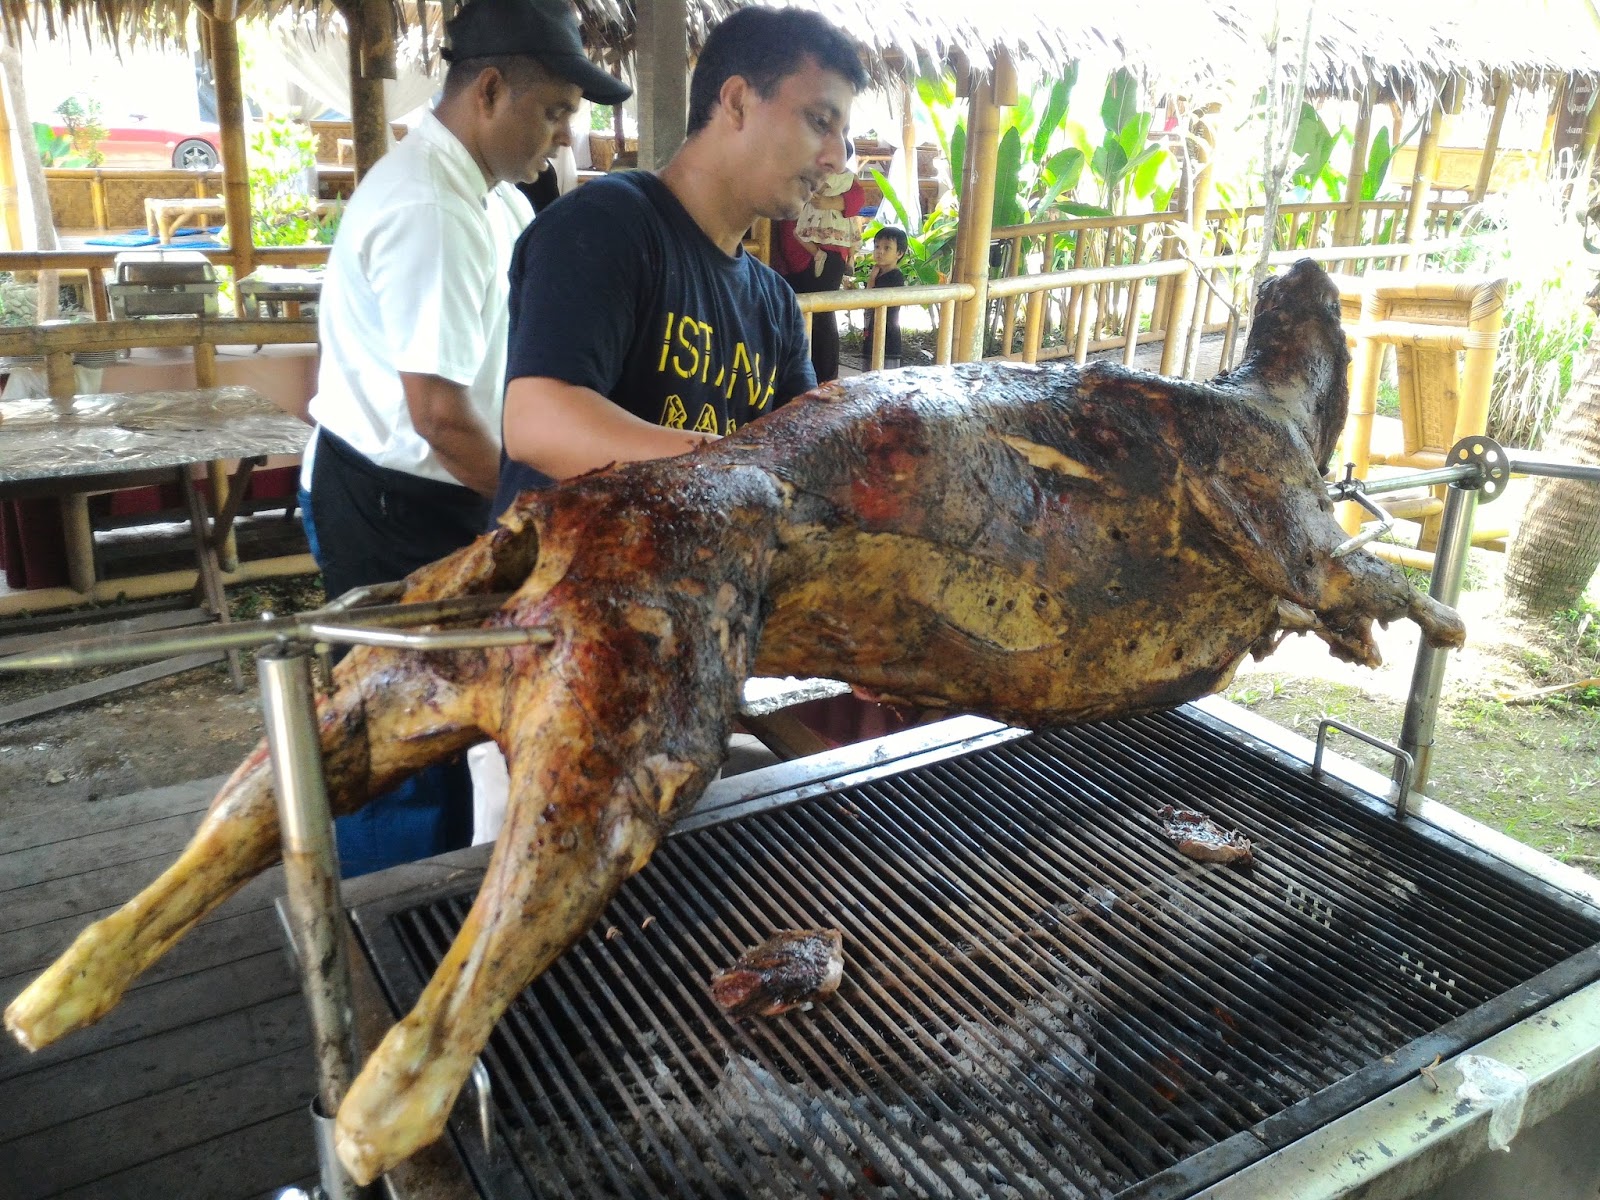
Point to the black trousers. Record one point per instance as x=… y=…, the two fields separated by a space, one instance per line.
x=824 y=326
x=373 y=525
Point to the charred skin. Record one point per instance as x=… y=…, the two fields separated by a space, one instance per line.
x=790 y=968
x=1042 y=546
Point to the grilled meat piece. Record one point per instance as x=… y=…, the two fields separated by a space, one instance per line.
x=788 y=969
x=1202 y=839
x=1041 y=545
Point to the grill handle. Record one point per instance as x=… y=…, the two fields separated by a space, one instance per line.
x=1404 y=764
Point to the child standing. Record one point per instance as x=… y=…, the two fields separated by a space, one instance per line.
x=888 y=248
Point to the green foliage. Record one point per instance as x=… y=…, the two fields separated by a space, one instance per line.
x=84 y=131
x=1378 y=155
x=930 y=248
x=1124 y=161
x=283 y=172
x=1314 y=142
x=55 y=150
x=1043 y=153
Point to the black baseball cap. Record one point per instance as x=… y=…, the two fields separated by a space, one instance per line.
x=543 y=29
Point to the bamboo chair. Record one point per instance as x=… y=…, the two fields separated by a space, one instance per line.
x=1444 y=330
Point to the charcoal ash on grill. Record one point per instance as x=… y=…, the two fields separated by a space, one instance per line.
x=754 y=1130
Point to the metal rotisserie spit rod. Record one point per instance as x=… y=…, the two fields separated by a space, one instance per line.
x=1491 y=466
x=311 y=891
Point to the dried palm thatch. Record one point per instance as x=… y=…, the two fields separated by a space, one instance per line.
x=1404 y=46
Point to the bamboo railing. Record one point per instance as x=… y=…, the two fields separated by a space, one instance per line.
x=1121 y=309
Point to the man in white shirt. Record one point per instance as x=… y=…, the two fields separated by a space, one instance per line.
x=412 y=322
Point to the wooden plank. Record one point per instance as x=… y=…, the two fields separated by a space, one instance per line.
x=245 y=925
x=76 y=818
x=250 y=1162
x=94 y=688
x=77 y=895
x=134 y=1070
x=162 y=1007
x=96 y=851
x=130 y=1135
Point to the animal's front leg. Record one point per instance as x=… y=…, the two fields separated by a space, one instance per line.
x=594 y=778
x=1283 y=535
x=388 y=718
x=1359 y=589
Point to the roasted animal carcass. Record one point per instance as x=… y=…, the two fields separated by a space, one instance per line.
x=1042 y=545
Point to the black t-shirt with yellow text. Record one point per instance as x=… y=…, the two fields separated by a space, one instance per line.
x=615 y=288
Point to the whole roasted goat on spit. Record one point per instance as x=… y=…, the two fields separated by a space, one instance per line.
x=1041 y=545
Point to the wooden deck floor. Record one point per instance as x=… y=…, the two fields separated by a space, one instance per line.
x=196 y=1084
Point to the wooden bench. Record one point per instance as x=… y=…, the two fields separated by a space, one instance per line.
x=163 y=217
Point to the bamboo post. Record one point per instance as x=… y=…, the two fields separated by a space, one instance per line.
x=1202 y=145
x=977 y=217
x=1427 y=169
x=372 y=60
x=911 y=179
x=1491 y=145
x=10 y=200
x=76 y=530
x=661 y=62
x=235 y=166
x=1347 y=227
x=1365 y=364
x=205 y=375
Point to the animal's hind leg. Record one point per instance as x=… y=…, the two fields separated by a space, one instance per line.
x=387 y=720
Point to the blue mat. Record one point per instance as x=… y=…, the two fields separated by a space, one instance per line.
x=125 y=240
x=200 y=243
x=191 y=230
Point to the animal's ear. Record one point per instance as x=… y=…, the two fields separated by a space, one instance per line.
x=1273 y=526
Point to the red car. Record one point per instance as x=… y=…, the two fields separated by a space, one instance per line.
x=140 y=142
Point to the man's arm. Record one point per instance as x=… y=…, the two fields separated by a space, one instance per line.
x=443 y=415
x=562 y=430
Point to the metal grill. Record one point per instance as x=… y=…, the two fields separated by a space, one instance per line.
x=1042 y=998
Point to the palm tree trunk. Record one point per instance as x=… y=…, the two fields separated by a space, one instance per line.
x=1556 y=549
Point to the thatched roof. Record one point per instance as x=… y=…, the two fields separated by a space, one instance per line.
x=1407 y=45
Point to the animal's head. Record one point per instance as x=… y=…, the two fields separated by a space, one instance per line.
x=1297 y=351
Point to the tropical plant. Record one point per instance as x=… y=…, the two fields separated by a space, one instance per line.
x=1044 y=155
x=1314 y=143
x=283 y=173
x=84 y=131
x=930 y=247
x=54 y=149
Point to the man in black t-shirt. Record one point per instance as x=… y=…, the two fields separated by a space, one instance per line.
x=639 y=326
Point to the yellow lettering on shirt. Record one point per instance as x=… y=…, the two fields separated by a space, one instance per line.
x=687 y=369
x=733 y=425
x=707 y=421
x=689 y=347
x=666 y=344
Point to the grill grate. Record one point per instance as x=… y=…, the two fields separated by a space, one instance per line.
x=1042 y=998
